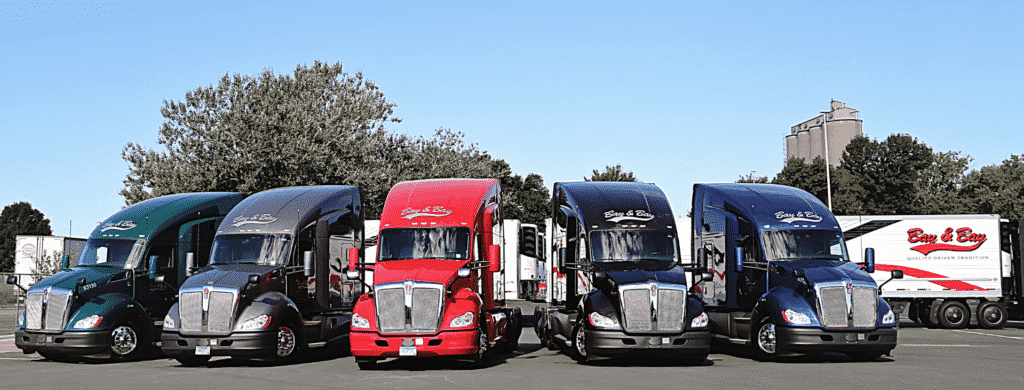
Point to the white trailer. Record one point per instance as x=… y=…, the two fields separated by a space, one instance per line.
x=32 y=251
x=523 y=260
x=959 y=270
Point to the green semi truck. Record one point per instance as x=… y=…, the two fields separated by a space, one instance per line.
x=112 y=303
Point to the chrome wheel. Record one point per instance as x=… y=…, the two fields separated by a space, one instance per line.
x=285 y=341
x=124 y=340
x=766 y=338
x=580 y=342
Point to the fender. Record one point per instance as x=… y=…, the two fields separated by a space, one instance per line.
x=883 y=309
x=113 y=307
x=463 y=300
x=779 y=299
x=694 y=308
x=597 y=301
x=274 y=304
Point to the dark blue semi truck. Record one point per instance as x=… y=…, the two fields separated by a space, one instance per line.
x=782 y=280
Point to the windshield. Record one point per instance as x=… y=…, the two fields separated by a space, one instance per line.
x=803 y=244
x=450 y=243
x=269 y=249
x=111 y=253
x=633 y=245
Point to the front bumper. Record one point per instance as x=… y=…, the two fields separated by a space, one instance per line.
x=615 y=342
x=450 y=343
x=74 y=343
x=815 y=340
x=247 y=344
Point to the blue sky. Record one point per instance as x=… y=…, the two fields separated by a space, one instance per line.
x=676 y=92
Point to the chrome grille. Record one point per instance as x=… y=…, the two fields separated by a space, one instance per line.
x=391 y=309
x=639 y=314
x=409 y=307
x=670 y=310
x=840 y=307
x=425 y=309
x=222 y=310
x=190 y=311
x=47 y=314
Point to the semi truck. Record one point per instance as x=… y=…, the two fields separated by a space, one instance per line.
x=112 y=303
x=782 y=281
x=961 y=270
x=275 y=282
x=625 y=288
x=434 y=291
x=524 y=260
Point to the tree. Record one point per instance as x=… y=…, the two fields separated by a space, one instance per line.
x=19 y=219
x=942 y=182
x=319 y=126
x=612 y=174
x=996 y=189
x=883 y=177
x=525 y=199
x=753 y=179
x=46 y=265
x=808 y=177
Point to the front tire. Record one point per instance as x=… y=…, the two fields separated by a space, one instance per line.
x=764 y=341
x=127 y=341
x=992 y=315
x=578 y=344
x=954 y=315
x=287 y=343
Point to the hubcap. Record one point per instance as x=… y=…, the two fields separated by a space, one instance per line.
x=124 y=340
x=581 y=342
x=766 y=338
x=285 y=341
x=954 y=314
x=992 y=314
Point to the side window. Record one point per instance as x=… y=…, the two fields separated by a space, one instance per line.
x=341 y=237
x=303 y=244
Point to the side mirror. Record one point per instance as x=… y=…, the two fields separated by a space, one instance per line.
x=562 y=253
x=64 y=261
x=11 y=279
x=739 y=259
x=152 y=266
x=80 y=282
x=190 y=262
x=307 y=263
x=159 y=279
x=897 y=274
x=353 y=259
x=464 y=272
x=493 y=258
x=254 y=279
x=869 y=260
x=707 y=276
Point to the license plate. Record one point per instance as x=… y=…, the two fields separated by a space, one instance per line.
x=201 y=350
x=861 y=337
x=406 y=351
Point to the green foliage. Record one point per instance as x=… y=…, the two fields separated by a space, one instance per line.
x=883 y=177
x=319 y=126
x=46 y=265
x=996 y=189
x=753 y=179
x=19 y=219
x=942 y=183
x=808 y=177
x=612 y=174
x=526 y=199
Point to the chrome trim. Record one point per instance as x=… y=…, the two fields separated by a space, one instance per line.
x=223 y=324
x=656 y=325
x=408 y=289
x=856 y=317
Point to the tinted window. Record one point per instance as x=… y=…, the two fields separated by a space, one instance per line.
x=424 y=243
x=109 y=253
x=251 y=249
x=632 y=245
x=803 y=244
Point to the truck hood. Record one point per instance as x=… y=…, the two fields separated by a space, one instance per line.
x=228 y=275
x=824 y=271
x=639 y=272
x=426 y=270
x=67 y=279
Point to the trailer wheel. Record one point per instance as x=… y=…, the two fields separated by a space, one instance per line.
x=924 y=315
x=992 y=315
x=954 y=315
x=764 y=342
x=578 y=344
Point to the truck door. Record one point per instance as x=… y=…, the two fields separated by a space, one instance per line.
x=753 y=281
x=712 y=251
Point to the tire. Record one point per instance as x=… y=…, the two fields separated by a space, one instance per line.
x=288 y=343
x=764 y=342
x=865 y=356
x=923 y=314
x=57 y=357
x=578 y=344
x=515 y=331
x=192 y=361
x=479 y=358
x=128 y=342
x=954 y=315
x=992 y=315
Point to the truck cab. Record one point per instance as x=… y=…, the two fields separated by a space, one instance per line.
x=782 y=281
x=625 y=287
x=112 y=303
x=434 y=291
x=274 y=284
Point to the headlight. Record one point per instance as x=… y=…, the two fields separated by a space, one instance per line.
x=88 y=322
x=700 y=321
x=359 y=322
x=21 y=320
x=258 y=322
x=462 y=321
x=169 y=322
x=600 y=321
x=889 y=318
x=794 y=317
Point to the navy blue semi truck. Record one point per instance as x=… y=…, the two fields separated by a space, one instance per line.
x=626 y=290
x=782 y=280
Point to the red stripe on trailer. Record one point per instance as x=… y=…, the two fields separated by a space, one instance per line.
x=920 y=273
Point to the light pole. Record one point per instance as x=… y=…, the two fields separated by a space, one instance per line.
x=828 y=163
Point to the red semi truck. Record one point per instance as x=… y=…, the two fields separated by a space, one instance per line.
x=434 y=288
